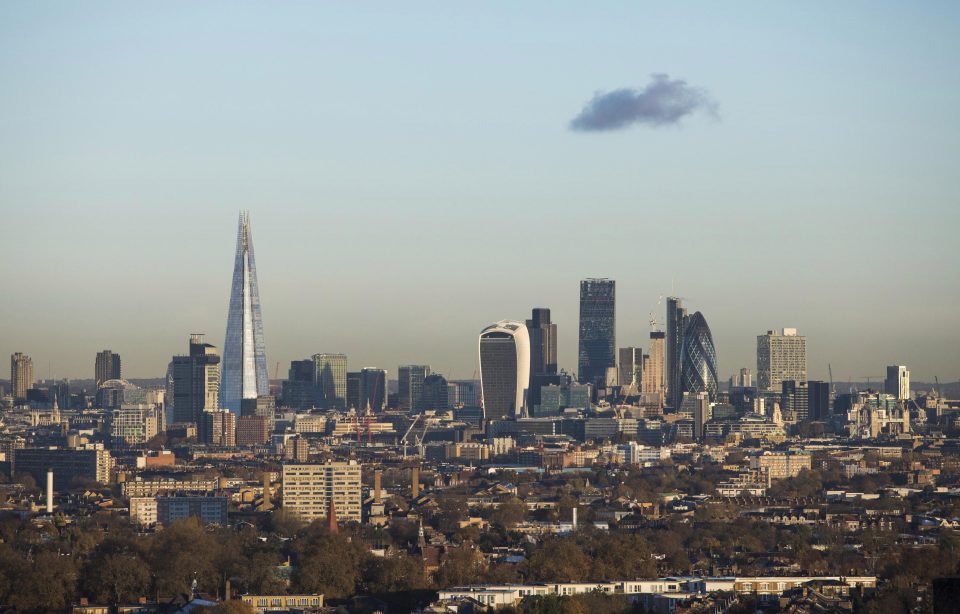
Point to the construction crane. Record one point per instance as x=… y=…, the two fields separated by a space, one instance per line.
x=937 y=389
x=420 y=448
x=403 y=440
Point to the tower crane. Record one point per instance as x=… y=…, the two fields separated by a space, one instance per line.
x=403 y=440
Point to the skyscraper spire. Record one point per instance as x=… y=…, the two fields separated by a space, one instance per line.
x=244 y=375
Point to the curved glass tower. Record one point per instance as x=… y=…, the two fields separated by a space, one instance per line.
x=698 y=358
x=504 y=369
x=244 y=371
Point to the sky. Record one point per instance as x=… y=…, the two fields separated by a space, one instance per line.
x=415 y=171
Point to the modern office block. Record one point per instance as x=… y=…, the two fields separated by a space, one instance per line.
x=897 y=382
x=794 y=401
x=630 y=368
x=68 y=465
x=410 y=386
x=818 y=400
x=676 y=324
x=195 y=381
x=597 y=340
x=373 y=389
x=504 y=368
x=543 y=342
x=436 y=393
x=698 y=358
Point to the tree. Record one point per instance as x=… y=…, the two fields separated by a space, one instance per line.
x=392 y=573
x=510 y=513
x=327 y=563
x=45 y=585
x=116 y=577
x=559 y=560
x=182 y=552
x=460 y=566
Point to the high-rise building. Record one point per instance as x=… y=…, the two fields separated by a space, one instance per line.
x=68 y=464
x=373 y=389
x=410 y=386
x=652 y=372
x=466 y=393
x=21 y=376
x=253 y=430
x=308 y=490
x=676 y=324
x=132 y=425
x=244 y=357
x=436 y=393
x=781 y=355
x=195 y=381
x=818 y=400
x=353 y=390
x=597 y=341
x=630 y=368
x=299 y=389
x=218 y=427
x=107 y=367
x=897 y=382
x=698 y=358
x=543 y=342
x=795 y=401
x=330 y=379
x=504 y=369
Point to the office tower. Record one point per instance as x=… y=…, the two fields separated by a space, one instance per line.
x=467 y=393
x=410 y=386
x=543 y=342
x=698 y=405
x=795 y=401
x=353 y=389
x=107 y=367
x=504 y=369
x=436 y=393
x=21 y=376
x=698 y=358
x=630 y=368
x=597 y=342
x=653 y=372
x=781 y=355
x=244 y=357
x=309 y=488
x=373 y=389
x=299 y=390
x=818 y=400
x=195 y=381
x=897 y=382
x=676 y=324
x=330 y=380
x=218 y=427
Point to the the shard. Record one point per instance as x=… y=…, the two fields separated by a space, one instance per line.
x=244 y=368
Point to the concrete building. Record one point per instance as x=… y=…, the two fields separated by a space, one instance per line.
x=652 y=375
x=106 y=367
x=373 y=389
x=309 y=488
x=132 y=425
x=630 y=369
x=504 y=350
x=68 y=464
x=21 y=376
x=253 y=430
x=781 y=355
x=219 y=428
x=780 y=465
x=210 y=510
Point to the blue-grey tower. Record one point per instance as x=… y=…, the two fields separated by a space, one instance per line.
x=244 y=373
x=698 y=359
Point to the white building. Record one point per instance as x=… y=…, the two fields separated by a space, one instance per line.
x=308 y=489
x=897 y=382
x=781 y=355
x=504 y=368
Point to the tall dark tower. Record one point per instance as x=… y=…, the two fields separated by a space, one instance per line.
x=244 y=375
x=597 y=347
x=676 y=322
x=543 y=342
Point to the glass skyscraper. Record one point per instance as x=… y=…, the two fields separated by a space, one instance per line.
x=597 y=346
x=698 y=358
x=244 y=373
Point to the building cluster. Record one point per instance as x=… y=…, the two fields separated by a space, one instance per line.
x=213 y=440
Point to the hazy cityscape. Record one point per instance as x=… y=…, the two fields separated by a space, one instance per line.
x=514 y=347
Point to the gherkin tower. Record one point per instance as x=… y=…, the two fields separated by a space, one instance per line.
x=244 y=370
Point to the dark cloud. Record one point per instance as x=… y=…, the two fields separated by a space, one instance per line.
x=662 y=102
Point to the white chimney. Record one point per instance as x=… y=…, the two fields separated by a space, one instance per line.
x=50 y=491
x=574 y=519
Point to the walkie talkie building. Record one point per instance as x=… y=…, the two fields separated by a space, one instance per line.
x=244 y=367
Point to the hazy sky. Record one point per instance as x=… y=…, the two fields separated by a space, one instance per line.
x=415 y=171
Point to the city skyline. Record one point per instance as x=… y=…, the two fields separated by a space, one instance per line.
x=772 y=202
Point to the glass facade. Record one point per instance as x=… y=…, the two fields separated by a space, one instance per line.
x=244 y=357
x=698 y=358
x=597 y=347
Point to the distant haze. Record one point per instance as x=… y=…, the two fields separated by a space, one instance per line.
x=412 y=176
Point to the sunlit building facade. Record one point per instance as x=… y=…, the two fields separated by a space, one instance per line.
x=504 y=369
